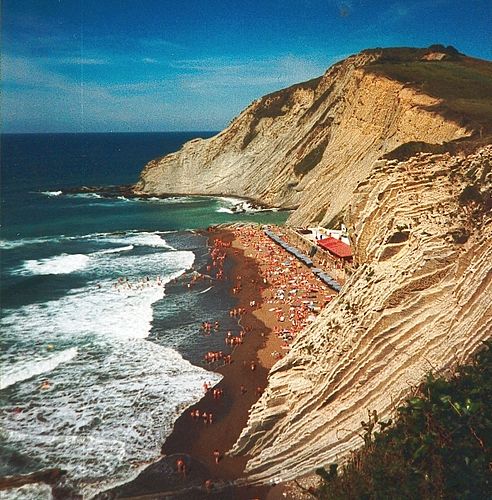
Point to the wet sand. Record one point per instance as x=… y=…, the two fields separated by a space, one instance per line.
x=230 y=412
x=194 y=441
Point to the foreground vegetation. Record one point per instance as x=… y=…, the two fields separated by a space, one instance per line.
x=438 y=447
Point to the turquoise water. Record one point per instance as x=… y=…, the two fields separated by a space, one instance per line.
x=96 y=305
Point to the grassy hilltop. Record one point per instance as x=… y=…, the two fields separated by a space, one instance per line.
x=464 y=83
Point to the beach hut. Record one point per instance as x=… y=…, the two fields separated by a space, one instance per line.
x=337 y=248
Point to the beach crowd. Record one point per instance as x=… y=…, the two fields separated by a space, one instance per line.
x=287 y=293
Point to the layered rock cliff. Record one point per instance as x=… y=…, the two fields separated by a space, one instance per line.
x=420 y=300
x=349 y=145
x=307 y=146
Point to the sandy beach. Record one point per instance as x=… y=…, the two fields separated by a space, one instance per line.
x=276 y=297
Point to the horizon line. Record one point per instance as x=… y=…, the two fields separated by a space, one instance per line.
x=113 y=132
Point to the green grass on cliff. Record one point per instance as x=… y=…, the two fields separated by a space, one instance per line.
x=464 y=83
x=439 y=447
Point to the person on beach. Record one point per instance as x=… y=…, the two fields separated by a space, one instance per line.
x=181 y=467
x=217 y=456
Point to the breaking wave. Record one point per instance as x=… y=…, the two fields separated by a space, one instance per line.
x=126 y=248
x=51 y=193
x=60 y=264
x=141 y=238
x=21 y=371
x=114 y=395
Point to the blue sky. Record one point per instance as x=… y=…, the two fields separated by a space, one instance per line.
x=159 y=65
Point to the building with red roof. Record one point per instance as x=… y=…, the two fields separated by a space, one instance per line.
x=337 y=248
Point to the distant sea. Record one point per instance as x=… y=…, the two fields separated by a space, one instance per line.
x=96 y=306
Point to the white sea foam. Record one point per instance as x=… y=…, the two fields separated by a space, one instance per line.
x=108 y=411
x=21 y=371
x=123 y=420
x=238 y=205
x=142 y=238
x=126 y=248
x=51 y=193
x=136 y=238
x=85 y=195
x=170 y=199
x=235 y=205
x=180 y=199
x=102 y=308
x=8 y=244
x=113 y=403
x=72 y=195
x=69 y=263
x=59 y=264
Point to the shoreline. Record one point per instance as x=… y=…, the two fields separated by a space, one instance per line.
x=195 y=441
x=128 y=191
x=192 y=440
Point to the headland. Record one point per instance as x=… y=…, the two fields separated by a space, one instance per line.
x=395 y=144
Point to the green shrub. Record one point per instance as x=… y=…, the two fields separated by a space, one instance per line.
x=438 y=447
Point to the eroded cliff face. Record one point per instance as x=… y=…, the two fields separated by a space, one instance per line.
x=420 y=300
x=307 y=146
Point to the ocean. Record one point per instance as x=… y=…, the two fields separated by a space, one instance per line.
x=100 y=331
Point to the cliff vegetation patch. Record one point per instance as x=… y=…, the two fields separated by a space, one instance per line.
x=464 y=83
x=440 y=445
